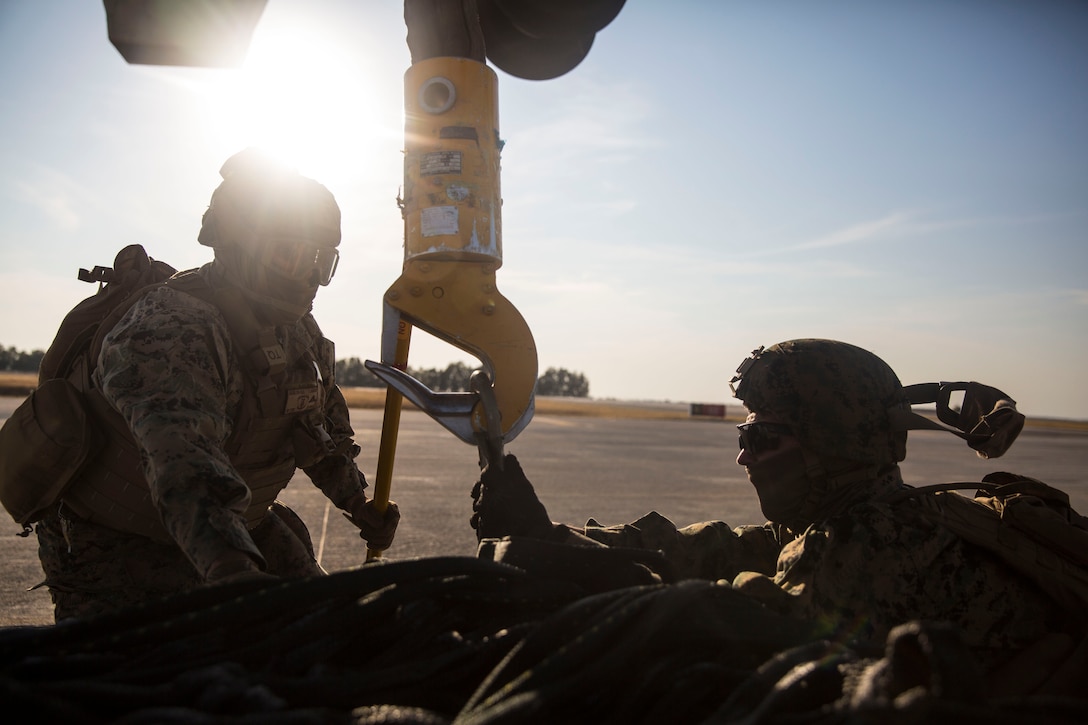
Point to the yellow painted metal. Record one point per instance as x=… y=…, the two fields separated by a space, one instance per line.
x=452 y=204
x=459 y=303
x=453 y=229
x=387 y=449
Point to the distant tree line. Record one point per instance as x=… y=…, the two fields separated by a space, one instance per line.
x=454 y=378
x=12 y=360
x=562 y=382
x=351 y=373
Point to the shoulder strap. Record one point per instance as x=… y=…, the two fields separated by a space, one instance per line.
x=78 y=337
x=266 y=362
x=94 y=348
x=1002 y=487
x=263 y=354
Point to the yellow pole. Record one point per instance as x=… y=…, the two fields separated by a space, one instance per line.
x=387 y=451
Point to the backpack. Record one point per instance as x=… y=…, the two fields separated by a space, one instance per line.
x=51 y=436
x=1026 y=522
x=79 y=338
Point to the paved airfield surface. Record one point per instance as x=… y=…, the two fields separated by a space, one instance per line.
x=614 y=470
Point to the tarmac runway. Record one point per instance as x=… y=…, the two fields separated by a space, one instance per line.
x=614 y=470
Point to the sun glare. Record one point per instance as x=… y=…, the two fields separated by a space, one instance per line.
x=303 y=99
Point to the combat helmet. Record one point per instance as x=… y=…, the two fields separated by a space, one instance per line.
x=844 y=402
x=274 y=233
x=836 y=397
x=274 y=217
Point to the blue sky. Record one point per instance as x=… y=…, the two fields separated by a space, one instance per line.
x=715 y=176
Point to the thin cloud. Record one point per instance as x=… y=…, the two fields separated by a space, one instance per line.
x=859 y=233
x=1076 y=296
x=54 y=195
x=701 y=264
x=609 y=208
x=596 y=124
x=897 y=224
x=557 y=288
x=997 y=220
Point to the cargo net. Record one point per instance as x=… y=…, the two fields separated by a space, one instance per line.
x=464 y=640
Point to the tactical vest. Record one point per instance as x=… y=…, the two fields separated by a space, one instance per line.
x=278 y=426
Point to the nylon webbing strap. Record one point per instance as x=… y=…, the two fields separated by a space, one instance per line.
x=986 y=418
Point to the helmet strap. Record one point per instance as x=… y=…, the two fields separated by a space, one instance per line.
x=817 y=491
x=272 y=310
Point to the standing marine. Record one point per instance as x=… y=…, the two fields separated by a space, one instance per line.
x=209 y=393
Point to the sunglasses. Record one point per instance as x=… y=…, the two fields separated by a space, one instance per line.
x=300 y=261
x=758 y=438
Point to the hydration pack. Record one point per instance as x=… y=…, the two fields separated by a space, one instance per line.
x=79 y=337
x=1026 y=522
x=51 y=436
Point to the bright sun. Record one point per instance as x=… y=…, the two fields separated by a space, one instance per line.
x=301 y=98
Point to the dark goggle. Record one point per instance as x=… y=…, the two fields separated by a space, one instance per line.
x=758 y=438
x=300 y=261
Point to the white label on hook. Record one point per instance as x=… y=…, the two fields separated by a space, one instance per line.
x=440 y=162
x=456 y=192
x=437 y=221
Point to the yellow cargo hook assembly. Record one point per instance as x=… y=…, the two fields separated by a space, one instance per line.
x=452 y=247
x=453 y=234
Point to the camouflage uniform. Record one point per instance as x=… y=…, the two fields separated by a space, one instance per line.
x=170 y=368
x=859 y=573
x=858 y=565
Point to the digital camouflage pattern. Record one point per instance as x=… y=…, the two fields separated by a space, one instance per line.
x=708 y=550
x=836 y=397
x=170 y=368
x=92 y=569
x=861 y=573
x=860 y=559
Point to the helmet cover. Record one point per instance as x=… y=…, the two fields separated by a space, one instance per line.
x=261 y=202
x=835 y=396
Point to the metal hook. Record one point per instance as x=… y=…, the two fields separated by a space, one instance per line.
x=453 y=247
x=489 y=441
x=453 y=411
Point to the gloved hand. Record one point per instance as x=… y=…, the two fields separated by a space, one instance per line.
x=505 y=504
x=376 y=528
